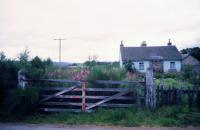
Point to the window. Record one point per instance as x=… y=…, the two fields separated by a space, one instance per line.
x=172 y=65
x=141 y=66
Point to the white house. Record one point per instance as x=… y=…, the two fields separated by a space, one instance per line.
x=161 y=58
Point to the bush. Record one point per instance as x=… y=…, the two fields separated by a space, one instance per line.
x=21 y=101
x=129 y=66
x=15 y=100
x=8 y=78
x=172 y=75
x=187 y=71
x=191 y=74
x=106 y=73
x=169 y=82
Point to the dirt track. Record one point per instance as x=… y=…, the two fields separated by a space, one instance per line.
x=9 y=126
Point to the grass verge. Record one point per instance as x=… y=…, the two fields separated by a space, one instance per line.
x=166 y=116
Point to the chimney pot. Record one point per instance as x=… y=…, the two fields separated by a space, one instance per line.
x=121 y=45
x=169 y=43
x=144 y=44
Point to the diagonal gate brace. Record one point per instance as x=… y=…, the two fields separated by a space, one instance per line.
x=108 y=99
x=59 y=93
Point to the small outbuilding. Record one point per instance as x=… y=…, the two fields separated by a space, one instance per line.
x=188 y=59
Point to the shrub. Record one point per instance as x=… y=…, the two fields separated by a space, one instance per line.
x=187 y=71
x=172 y=75
x=129 y=66
x=158 y=75
x=191 y=74
x=13 y=99
x=21 y=101
x=8 y=78
x=106 y=73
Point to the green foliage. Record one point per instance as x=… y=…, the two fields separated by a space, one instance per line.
x=36 y=68
x=37 y=63
x=21 y=101
x=92 y=61
x=106 y=73
x=174 y=75
x=8 y=78
x=166 y=116
x=48 y=62
x=2 y=56
x=195 y=52
x=24 y=57
x=189 y=74
x=170 y=82
x=129 y=66
x=187 y=71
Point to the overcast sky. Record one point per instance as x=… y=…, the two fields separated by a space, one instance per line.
x=95 y=27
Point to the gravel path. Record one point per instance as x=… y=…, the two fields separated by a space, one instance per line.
x=9 y=126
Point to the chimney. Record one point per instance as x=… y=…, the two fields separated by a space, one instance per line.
x=169 y=43
x=121 y=45
x=143 y=44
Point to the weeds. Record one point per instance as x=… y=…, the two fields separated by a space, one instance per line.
x=165 y=116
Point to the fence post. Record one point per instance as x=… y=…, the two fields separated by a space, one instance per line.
x=21 y=76
x=138 y=101
x=150 y=99
x=190 y=98
x=179 y=98
x=158 y=95
x=83 y=85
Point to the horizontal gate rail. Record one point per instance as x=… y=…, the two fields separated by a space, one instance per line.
x=88 y=104
x=87 y=89
x=61 y=110
x=90 y=97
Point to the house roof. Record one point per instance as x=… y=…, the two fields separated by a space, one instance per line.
x=150 y=53
x=184 y=56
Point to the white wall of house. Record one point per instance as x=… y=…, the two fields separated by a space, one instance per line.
x=120 y=59
x=137 y=65
x=167 y=66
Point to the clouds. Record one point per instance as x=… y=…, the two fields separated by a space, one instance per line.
x=95 y=26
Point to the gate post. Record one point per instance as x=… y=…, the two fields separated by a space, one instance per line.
x=150 y=99
x=21 y=76
x=83 y=85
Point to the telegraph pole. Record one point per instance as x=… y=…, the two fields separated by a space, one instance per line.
x=60 y=40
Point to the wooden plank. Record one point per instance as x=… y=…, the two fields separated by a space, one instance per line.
x=107 y=89
x=87 y=89
x=114 y=82
x=61 y=110
x=108 y=99
x=61 y=81
x=87 y=104
x=91 y=97
x=59 y=93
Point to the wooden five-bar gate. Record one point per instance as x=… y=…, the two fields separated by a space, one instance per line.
x=78 y=97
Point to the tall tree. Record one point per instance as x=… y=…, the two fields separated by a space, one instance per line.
x=2 y=56
x=24 y=55
x=195 y=52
